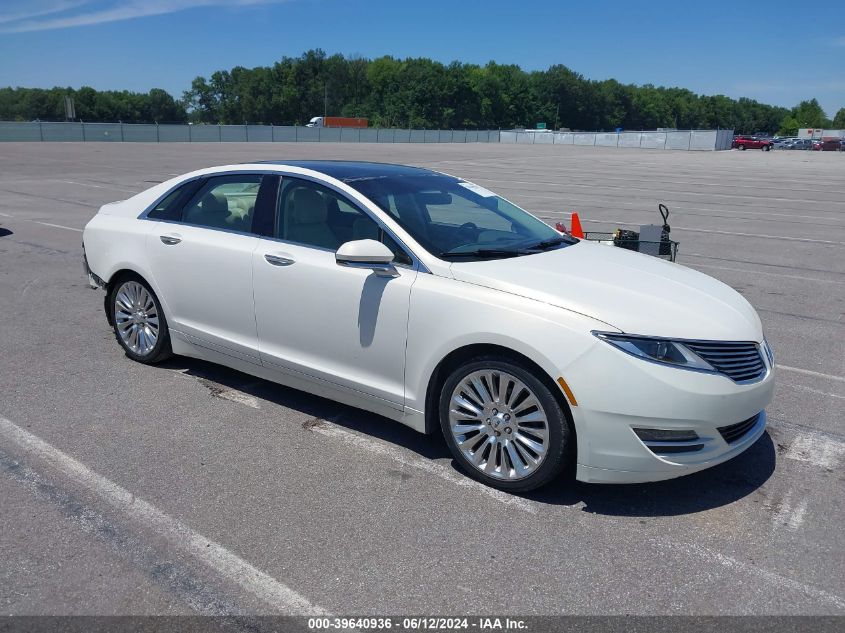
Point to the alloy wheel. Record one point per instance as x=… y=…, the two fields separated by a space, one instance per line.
x=499 y=425
x=136 y=318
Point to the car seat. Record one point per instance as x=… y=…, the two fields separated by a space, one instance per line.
x=213 y=211
x=305 y=217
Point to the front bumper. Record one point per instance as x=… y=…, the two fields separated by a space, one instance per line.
x=618 y=393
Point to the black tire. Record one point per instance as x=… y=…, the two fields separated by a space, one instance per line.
x=742 y=147
x=162 y=349
x=766 y=148
x=561 y=438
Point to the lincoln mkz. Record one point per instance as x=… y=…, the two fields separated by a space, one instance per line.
x=432 y=301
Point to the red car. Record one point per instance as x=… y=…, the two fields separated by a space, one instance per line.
x=828 y=144
x=752 y=142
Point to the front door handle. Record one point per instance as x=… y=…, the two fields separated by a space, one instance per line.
x=170 y=240
x=278 y=260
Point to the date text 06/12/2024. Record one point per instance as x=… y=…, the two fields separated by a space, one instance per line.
x=418 y=623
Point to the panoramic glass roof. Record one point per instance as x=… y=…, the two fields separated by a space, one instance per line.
x=353 y=170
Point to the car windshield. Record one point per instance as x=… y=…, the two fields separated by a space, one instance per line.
x=458 y=220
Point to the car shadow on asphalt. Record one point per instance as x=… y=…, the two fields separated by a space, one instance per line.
x=705 y=490
x=4 y=232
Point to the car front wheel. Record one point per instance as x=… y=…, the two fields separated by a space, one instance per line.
x=503 y=425
x=742 y=147
x=138 y=320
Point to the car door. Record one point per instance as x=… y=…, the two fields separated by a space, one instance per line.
x=201 y=261
x=343 y=327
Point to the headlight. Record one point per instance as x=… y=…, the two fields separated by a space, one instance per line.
x=657 y=350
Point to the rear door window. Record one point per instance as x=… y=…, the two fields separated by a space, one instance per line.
x=224 y=202
x=169 y=207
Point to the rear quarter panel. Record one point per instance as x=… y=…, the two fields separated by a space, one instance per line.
x=116 y=242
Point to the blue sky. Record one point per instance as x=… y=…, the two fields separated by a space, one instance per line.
x=770 y=50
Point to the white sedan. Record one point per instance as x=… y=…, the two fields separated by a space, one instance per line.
x=432 y=301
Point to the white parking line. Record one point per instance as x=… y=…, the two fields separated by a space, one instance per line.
x=678 y=210
x=57 y=226
x=605 y=188
x=821 y=451
x=788 y=238
x=406 y=458
x=771 y=577
x=761 y=272
x=85 y=184
x=790 y=514
x=795 y=518
x=763 y=236
x=212 y=554
x=810 y=372
x=815 y=391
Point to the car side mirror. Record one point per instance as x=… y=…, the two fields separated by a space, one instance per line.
x=367 y=254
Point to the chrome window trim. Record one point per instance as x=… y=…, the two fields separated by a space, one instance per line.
x=232 y=172
x=416 y=262
x=203 y=226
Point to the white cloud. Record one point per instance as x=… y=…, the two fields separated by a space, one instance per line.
x=92 y=13
x=16 y=11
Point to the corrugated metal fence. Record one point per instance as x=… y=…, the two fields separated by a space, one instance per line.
x=176 y=133
x=153 y=133
x=674 y=139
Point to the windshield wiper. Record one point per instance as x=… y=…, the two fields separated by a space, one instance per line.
x=487 y=252
x=554 y=241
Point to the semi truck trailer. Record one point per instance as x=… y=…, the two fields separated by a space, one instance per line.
x=337 y=121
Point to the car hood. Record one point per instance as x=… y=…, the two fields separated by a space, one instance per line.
x=635 y=293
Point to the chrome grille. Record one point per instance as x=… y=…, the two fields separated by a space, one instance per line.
x=737 y=431
x=740 y=362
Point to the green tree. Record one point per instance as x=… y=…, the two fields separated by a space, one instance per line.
x=839 y=119
x=810 y=114
x=201 y=101
x=789 y=126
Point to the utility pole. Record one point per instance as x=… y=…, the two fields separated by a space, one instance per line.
x=325 y=101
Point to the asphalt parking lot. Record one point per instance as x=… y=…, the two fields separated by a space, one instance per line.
x=188 y=488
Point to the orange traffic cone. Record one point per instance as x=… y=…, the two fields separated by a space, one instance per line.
x=577 y=231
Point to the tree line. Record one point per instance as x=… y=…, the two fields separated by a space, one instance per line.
x=418 y=93
x=29 y=104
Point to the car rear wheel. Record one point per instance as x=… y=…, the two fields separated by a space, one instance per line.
x=138 y=321
x=503 y=425
x=766 y=148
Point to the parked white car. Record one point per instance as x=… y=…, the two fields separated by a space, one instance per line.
x=434 y=302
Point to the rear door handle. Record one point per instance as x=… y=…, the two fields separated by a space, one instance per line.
x=170 y=240
x=278 y=260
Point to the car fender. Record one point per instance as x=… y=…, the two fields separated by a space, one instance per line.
x=457 y=314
